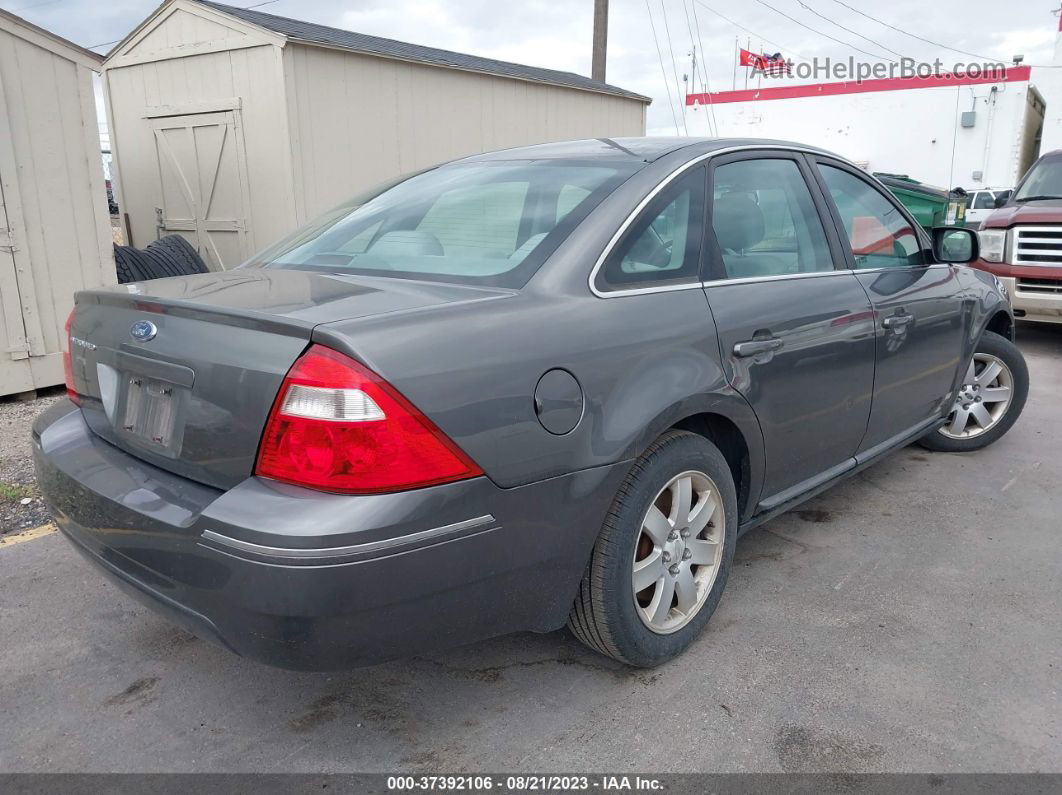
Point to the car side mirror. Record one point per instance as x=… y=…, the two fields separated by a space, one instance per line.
x=955 y=244
x=1002 y=198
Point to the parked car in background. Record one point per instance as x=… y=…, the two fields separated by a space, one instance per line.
x=982 y=203
x=1021 y=242
x=528 y=388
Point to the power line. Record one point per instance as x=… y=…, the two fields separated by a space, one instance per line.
x=930 y=41
x=750 y=32
x=704 y=67
x=806 y=7
x=711 y=105
x=674 y=69
x=820 y=33
x=660 y=57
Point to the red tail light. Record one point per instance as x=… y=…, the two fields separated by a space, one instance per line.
x=68 y=363
x=337 y=426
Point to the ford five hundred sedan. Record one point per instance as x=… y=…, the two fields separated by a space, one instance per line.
x=537 y=387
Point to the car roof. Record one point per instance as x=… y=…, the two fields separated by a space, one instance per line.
x=645 y=149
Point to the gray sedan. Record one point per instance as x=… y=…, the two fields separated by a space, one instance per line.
x=530 y=388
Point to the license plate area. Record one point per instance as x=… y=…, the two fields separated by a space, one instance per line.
x=150 y=414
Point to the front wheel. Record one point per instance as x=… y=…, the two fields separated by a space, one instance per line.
x=661 y=561
x=990 y=399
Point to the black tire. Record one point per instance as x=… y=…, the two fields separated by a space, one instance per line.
x=131 y=266
x=179 y=255
x=163 y=264
x=604 y=615
x=1008 y=353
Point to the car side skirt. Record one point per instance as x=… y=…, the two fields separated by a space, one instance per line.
x=802 y=492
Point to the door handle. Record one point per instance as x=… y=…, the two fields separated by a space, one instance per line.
x=754 y=347
x=897 y=321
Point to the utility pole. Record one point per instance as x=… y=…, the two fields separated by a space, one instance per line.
x=597 y=68
x=737 y=57
x=747 y=47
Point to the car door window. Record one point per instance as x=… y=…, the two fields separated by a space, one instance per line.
x=879 y=234
x=662 y=246
x=765 y=221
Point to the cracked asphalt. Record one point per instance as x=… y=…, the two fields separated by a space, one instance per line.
x=910 y=619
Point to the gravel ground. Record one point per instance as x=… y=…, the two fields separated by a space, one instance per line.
x=20 y=503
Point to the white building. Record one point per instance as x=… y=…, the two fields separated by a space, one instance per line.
x=946 y=131
x=232 y=126
x=55 y=234
x=1049 y=81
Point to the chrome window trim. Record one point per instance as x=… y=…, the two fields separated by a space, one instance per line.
x=353 y=549
x=692 y=285
x=926 y=267
x=779 y=277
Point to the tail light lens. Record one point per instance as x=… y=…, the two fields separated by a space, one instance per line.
x=68 y=362
x=337 y=426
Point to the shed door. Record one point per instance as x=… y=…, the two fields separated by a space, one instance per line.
x=203 y=181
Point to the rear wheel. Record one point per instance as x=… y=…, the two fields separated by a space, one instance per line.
x=661 y=561
x=990 y=399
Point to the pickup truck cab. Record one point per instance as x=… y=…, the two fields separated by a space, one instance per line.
x=1021 y=242
x=982 y=203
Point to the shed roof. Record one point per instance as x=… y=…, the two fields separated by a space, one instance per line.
x=49 y=41
x=322 y=35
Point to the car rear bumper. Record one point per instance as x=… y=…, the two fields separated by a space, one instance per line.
x=299 y=579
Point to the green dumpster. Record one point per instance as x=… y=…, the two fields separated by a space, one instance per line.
x=930 y=206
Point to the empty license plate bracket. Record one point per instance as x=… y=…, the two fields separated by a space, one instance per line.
x=151 y=413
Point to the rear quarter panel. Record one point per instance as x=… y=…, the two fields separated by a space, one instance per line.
x=644 y=362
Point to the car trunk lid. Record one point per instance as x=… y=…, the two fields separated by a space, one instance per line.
x=183 y=372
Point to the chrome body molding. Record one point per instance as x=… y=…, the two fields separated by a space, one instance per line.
x=381 y=546
x=693 y=285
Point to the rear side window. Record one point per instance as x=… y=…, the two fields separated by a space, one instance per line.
x=765 y=221
x=663 y=245
x=880 y=235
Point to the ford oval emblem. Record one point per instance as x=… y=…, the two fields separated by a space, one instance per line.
x=143 y=330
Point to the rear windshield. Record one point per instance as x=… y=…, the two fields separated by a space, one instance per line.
x=478 y=223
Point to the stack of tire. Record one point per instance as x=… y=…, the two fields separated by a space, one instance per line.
x=168 y=256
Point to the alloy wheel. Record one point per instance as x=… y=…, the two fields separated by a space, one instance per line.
x=983 y=398
x=679 y=552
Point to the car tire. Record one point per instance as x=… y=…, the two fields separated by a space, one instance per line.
x=637 y=628
x=992 y=349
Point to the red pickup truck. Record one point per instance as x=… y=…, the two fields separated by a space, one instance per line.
x=1021 y=242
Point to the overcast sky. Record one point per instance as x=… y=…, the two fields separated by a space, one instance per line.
x=558 y=34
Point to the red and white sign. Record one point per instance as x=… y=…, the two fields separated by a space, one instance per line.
x=1014 y=74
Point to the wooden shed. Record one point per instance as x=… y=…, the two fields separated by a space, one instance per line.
x=55 y=234
x=232 y=126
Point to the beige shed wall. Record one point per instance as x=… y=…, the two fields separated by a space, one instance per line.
x=359 y=120
x=314 y=125
x=54 y=215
